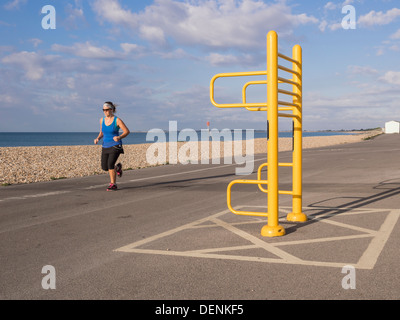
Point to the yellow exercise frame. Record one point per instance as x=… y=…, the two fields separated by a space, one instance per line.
x=274 y=108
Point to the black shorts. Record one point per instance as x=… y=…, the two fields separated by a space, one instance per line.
x=109 y=157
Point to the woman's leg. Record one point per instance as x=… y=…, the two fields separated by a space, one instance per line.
x=104 y=160
x=113 y=175
x=112 y=159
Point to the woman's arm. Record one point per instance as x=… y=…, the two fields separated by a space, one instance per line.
x=100 y=134
x=124 y=128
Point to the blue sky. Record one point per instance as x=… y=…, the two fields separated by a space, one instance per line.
x=155 y=59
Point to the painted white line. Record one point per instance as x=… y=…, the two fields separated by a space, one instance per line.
x=193 y=171
x=39 y=195
x=317 y=240
x=191 y=254
x=246 y=247
x=370 y=256
x=180 y=173
x=367 y=260
x=345 y=225
x=260 y=243
x=129 y=247
x=175 y=174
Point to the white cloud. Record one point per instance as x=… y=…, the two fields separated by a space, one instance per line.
x=153 y=34
x=6 y=100
x=391 y=77
x=217 y=59
x=35 y=42
x=380 y=52
x=362 y=70
x=379 y=18
x=111 y=11
x=217 y=24
x=395 y=35
x=75 y=15
x=330 y=6
x=322 y=26
x=347 y=2
x=32 y=63
x=175 y=54
x=335 y=26
x=87 y=50
x=14 y=4
x=131 y=47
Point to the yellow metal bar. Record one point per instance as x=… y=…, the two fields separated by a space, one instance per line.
x=248 y=213
x=235 y=74
x=244 y=95
x=272 y=229
x=287 y=70
x=286 y=164
x=273 y=106
x=259 y=176
x=285 y=115
x=229 y=198
x=287 y=81
x=284 y=103
x=297 y=215
x=280 y=55
x=266 y=165
x=286 y=192
x=288 y=93
x=241 y=74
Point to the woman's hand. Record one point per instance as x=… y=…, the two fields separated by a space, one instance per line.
x=116 y=139
x=96 y=141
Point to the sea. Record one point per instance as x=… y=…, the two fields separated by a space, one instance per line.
x=32 y=139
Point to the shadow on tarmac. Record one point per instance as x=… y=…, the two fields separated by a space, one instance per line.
x=391 y=187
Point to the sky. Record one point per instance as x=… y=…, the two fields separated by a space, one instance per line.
x=155 y=59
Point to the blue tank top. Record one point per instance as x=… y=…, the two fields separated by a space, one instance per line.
x=109 y=132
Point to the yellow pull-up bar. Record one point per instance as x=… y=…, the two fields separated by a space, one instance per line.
x=273 y=106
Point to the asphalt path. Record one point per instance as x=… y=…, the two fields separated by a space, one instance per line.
x=167 y=234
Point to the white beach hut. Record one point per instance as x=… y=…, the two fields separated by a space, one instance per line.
x=392 y=127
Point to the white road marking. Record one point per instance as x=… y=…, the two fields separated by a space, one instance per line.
x=347 y=226
x=134 y=180
x=257 y=241
x=176 y=174
x=39 y=195
x=370 y=256
x=367 y=260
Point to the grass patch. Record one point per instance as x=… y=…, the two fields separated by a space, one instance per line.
x=372 y=137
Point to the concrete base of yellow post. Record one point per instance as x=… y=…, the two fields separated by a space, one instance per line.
x=269 y=231
x=296 y=217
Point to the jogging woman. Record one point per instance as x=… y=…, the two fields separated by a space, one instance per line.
x=112 y=143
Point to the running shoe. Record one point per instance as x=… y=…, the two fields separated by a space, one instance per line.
x=118 y=169
x=112 y=187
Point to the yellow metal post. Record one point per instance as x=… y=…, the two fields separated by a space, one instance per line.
x=274 y=107
x=272 y=229
x=297 y=215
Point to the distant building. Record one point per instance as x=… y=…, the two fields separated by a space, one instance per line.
x=392 y=127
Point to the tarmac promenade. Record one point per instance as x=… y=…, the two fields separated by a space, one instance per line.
x=167 y=233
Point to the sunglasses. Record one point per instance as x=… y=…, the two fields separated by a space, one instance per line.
x=106 y=110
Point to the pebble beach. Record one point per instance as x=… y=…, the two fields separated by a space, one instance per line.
x=20 y=165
